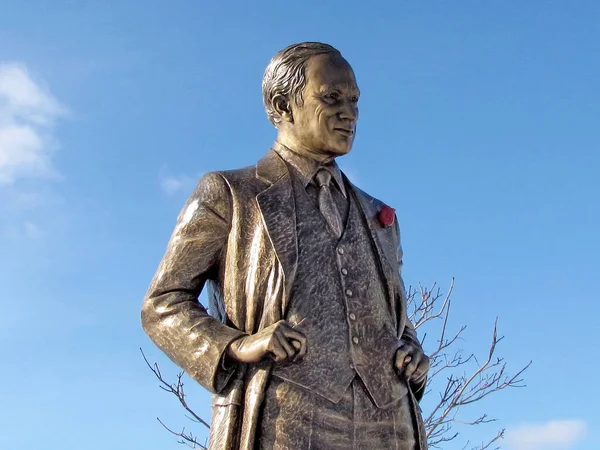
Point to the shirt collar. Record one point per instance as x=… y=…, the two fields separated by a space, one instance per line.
x=307 y=167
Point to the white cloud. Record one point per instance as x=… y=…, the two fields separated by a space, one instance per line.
x=172 y=185
x=28 y=113
x=552 y=435
x=28 y=116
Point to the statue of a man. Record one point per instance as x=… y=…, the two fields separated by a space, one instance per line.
x=305 y=343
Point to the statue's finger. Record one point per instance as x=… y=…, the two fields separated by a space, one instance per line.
x=412 y=366
x=301 y=347
x=278 y=353
x=401 y=357
x=294 y=335
x=419 y=376
x=287 y=346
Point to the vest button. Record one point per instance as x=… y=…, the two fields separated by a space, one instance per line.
x=352 y=316
x=348 y=292
x=341 y=251
x=344 y=271
x=355 y=340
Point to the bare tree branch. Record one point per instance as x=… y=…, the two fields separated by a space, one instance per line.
x=466 y=380
x=187 y=439
x=460 y=389
x=177 y=389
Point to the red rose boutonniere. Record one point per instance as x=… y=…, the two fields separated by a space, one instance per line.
x=386 y=216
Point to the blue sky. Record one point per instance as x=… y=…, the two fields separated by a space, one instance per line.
x=479 y=124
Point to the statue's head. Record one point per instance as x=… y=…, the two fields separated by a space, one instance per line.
x=311 y=96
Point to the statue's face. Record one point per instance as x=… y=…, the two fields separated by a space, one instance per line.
x=325 y=124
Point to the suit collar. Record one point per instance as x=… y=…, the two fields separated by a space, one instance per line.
x=306 y=168
x=271 y=167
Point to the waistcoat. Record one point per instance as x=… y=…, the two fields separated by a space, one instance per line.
x=339 y=301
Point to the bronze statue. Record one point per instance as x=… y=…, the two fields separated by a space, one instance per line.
x=305 y=343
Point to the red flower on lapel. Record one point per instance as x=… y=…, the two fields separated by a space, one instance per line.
x=386 y=216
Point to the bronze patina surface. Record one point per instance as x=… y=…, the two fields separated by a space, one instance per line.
x=305 y=343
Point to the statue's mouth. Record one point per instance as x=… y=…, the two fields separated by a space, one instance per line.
x=345 y=131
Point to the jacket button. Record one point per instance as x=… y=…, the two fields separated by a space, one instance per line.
x=341 y=251
x=348 y=292
x=352 y=316
x=344 y=271
x=355 y=340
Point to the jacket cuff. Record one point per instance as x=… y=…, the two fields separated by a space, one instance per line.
x=226 y=367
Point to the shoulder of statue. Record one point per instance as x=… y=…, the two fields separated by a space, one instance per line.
x=241 y=174
x=373 y=203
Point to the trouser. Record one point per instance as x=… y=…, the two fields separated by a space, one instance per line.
x=296 y=419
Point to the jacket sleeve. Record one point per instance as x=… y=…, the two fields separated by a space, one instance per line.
x=171 y=314
x=409 y=333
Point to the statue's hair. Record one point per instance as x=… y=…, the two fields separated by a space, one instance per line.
x=285 y=74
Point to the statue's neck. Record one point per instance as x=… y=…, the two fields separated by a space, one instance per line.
x=292 y=144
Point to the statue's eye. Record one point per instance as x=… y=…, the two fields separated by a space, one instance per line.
x=333 y=96
x=354 y=99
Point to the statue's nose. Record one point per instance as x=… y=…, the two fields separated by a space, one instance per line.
x=349 y=111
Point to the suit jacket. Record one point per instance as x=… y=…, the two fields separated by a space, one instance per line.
x=237 y=232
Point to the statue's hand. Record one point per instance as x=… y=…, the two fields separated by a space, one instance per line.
x=412 y=363
x=279 y=341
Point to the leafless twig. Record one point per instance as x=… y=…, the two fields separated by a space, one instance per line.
x=187 y=439
x=461 y=388
x=177 y=389
x=466 y=381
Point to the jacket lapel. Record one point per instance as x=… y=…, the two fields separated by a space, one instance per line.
x=278 y=212
x=381 y=238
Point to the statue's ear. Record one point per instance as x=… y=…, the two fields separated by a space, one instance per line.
x=282 y=105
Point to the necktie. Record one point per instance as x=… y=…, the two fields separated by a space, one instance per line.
x=326 y=203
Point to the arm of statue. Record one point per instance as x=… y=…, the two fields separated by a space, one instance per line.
x=171 y=313
x=411 y=362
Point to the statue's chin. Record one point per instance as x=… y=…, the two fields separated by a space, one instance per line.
x=340 y=151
